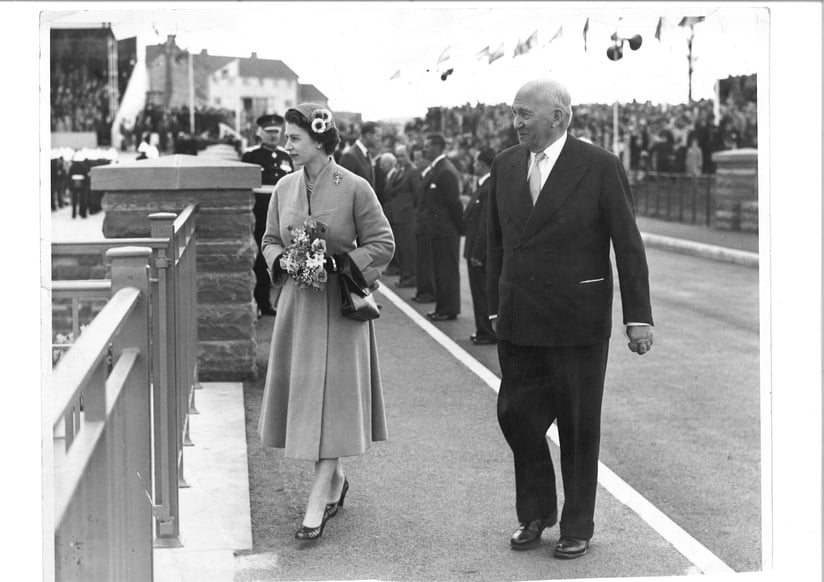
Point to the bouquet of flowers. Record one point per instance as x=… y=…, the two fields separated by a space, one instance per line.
x=303 y=258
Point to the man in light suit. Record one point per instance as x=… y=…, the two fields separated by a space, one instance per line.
x=357 y=158
x=555 y=205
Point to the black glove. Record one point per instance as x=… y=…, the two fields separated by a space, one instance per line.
x=276 y=268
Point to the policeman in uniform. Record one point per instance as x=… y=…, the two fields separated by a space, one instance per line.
x=275 y=163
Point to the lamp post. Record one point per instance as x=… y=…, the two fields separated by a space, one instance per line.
x=616 y=53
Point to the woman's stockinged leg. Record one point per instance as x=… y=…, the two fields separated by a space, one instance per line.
x=325 y=470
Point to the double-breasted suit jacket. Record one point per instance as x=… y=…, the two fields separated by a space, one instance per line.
x=549 y=273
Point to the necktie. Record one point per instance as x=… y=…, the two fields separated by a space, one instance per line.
x=535 y=177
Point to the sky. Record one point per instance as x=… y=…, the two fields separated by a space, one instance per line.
x=350 y=50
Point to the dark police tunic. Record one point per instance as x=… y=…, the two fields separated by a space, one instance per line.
x=274 y=165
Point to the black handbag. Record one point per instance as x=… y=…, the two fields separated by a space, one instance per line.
x=356 y=299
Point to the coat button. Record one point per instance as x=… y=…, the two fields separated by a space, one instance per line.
x=562 y=220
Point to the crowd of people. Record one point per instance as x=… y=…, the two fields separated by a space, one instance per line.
x=80 y=102
x=169 y=130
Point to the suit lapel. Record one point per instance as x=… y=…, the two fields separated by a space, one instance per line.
x=521 y=199
x=565 y=175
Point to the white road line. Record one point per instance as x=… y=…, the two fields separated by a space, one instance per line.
x=701 y=557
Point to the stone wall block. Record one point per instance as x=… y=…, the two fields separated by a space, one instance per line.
x=223 y=288
x=221 y=361
x=227 y=257
x=225 y=322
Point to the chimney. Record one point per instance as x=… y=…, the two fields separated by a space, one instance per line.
x=203 y=52
x=254 y=55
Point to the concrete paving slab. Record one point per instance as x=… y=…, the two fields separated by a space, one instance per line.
x=215 y=520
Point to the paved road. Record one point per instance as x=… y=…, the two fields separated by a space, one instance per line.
x=681 y=426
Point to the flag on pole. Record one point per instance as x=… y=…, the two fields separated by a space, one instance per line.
x=497 y=54
x=658 y=29
x=586 y=30
x=397 y=75
x=691 y=20
x=484 y=52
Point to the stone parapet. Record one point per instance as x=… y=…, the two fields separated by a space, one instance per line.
x=226 y=250
x=736 y=190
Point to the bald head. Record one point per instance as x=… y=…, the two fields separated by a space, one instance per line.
x=542 y=113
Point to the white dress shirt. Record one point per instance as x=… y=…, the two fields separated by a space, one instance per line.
x=432 y=165
x=551 y=153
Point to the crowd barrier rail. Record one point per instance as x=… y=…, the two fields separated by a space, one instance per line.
x=675 y=197
x=173 y=370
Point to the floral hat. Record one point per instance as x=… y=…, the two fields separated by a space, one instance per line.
x=320 y=118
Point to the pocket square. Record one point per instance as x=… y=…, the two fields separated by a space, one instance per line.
x=590 y=281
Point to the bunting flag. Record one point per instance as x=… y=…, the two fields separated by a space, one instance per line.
x=558 y=34
x=444 y=56
x=519 y=49
x=483 y=53
x=691 y=20
x=658 y=29
x=531 y=42
x=586 y=30
x=397 y=75
x=497 y=54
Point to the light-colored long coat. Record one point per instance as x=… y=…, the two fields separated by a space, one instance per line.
x=323 y=397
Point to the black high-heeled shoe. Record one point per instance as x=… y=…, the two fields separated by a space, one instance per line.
x=332 y=508
x=312 y=533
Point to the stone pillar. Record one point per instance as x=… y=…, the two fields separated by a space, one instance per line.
x=736 y=190
x=226 y=249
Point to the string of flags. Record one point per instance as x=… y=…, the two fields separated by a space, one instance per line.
x=523 y=47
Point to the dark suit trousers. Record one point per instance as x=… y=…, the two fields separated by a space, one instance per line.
x=404 y=249
x=446 y=258
x=477 y=288
x=424 y=264
x=540 y=385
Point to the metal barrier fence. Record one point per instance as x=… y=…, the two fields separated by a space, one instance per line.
x=101 y=425
x=675 y=197
x=173 y=348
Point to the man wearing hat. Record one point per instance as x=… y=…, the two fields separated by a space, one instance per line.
x=475 y=218
x=275 y=163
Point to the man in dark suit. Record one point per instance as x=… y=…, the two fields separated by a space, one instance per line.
x=440 y=204
x=274 y=163
x=555 y=204
x=475 y=219
x=399 y=207
x=357 y=158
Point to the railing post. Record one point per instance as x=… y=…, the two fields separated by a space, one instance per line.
x=130 y=437
x=166 y=397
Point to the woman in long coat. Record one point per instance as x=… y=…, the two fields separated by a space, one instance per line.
x=323 y=398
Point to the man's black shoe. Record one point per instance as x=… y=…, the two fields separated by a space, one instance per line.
x=434 y=316
x=405 y=283
x=569 y=548
x=528 y=535
x=423 y=299
x=483 y=340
